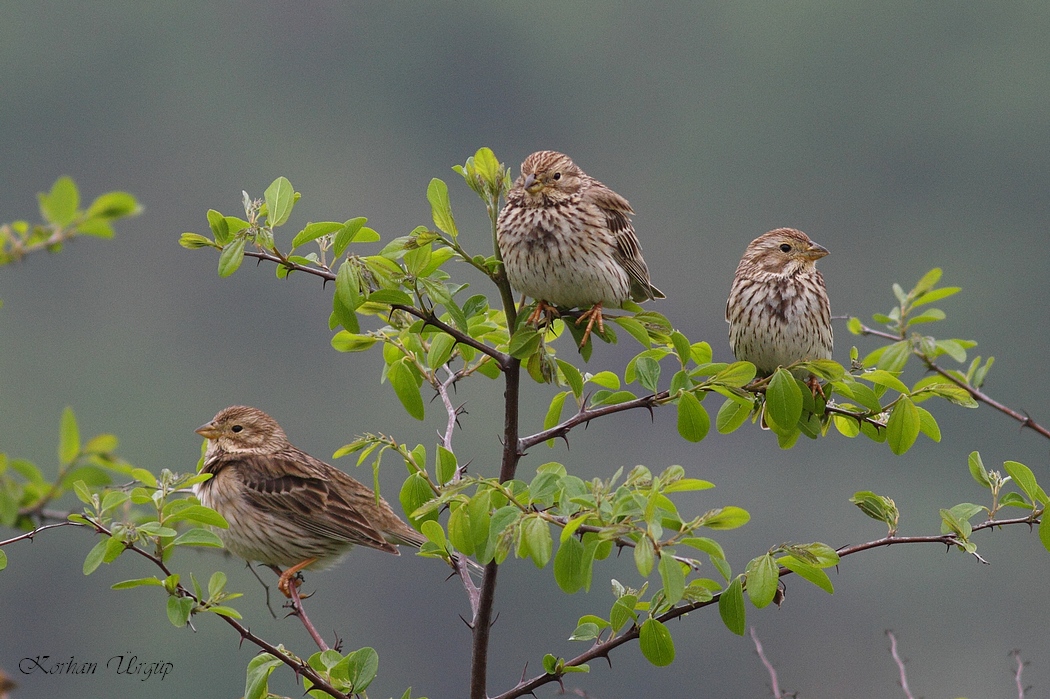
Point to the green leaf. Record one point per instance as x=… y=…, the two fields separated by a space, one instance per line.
x=935 y=295
x=344 y=341
x=902 y=428
x=978 y=471
x=648 y=372
x=723 y=518
x=536 y=536
x=635 y=329
x=656 y=643
x=644 y=556
x=681 y=347
x=259 y=669
x=3 y=560
x=762 y=579
x=736 y=374
x=731 y=416
x=693 y=421
x=731 y=607
x=623 y=611
x=191 y=241
x=525 y=341
x=353 y=231
x=877 y=507
x=1025 y=480
x=441 y=347
x=231 y=257
x=348 y=287
x=807 y=572
x=928 y=424
x=440 y=207
x=280 y=198
x=855 y=326
x=1044 y=534
x=446 y=464
x=672 y=575
x=783 y=400
x=554 y=412
x=403 y=380
x=198 y=537
x=572 y=377
x=313 y=231
x=179 y=610
x=200 y=514
x=59 y=206
x=606 y=379
x=571 y=566
x=585 y=631
x=138 y=582
x=361 y=668
x=113 y=205
x=416 y=492
x=95 y=556
x=68 y=438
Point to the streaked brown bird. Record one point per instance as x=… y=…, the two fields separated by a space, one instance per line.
x=778 y=310
x=567 y=240
x=285 y=508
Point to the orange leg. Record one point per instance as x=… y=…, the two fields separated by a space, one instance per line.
x=543 y=311
x=591 y=316
x=286 y=577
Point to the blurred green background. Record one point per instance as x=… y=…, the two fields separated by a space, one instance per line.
x=901 y=136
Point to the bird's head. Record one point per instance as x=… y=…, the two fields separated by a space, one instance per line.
x=784 y=252
x=243 y=429
x=549 y=177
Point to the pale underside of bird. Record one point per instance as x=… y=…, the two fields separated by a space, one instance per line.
x=567 y=241
x=778 y=309
x=285 y=508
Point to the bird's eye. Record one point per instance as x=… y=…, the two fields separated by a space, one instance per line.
x=784 y=247
x=236 y=428
x=557 y=176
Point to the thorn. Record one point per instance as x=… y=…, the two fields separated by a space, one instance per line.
x=652 y=415
x=494 y=620
x=464 y=619
x=565 y=438
x=526 y=669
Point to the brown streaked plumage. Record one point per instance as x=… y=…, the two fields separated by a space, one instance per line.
x=567 y=240
x=778 y=310
x=285 y=508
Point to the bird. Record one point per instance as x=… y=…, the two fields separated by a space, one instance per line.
x=567 y=240
x=285 y=508
x=778 y=310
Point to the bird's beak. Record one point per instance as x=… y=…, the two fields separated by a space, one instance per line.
x=531 y=184
x=208 y=430
x=816 y=251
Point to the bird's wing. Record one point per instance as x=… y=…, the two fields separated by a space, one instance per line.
x=628 y=250
x=313 y=495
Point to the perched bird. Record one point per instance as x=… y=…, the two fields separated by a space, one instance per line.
x=285 y=508
x=778 y=311
x=567 y=240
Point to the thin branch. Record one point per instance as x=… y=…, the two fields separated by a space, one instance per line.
x=1021 y=689
x=900 y=665
x=976 y=393
x=588 y=414
x=775 y=684
x=602 y=648
x=29 y=535
x=300 y=612
x=297 y=666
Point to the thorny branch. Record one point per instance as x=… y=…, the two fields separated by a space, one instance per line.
x=601 y=649
x=298 y=666
x=976 y=393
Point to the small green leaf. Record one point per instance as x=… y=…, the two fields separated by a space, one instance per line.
x=59 y=206
x=68 y=438
x=724 y=518
x=554 y=412
x=1044 y=533
x=606 y=379
x=344 y=341
x=280 y=198
x=95 y=556
x=231 y=257
x=902 y=428
x=199 y=514
x=3 y=560
x=179 y=610
x=259 y=669
x=192 y=241
x=644 y=556
x=762 y=580
x=403 y=380
x=731 y=607
x=138 y=582
x=623 y=611
x=525 y=341
x=635 y=329
x=536 y=535
x=1025 y=480
x=855 y=326
x=693 y=421
x=783 y=400
x=313 y=231
x=198 y=537
x=978 y=471
x=440 y=207
x=656 y=643
x=681 y=347
x=807 y=572
x=731 y=416
x=570 y=566
x=673 y=577
x=648 y=372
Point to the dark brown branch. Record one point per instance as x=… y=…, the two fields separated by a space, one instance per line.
x=29 y=535
x=976 y=393
x=602 y=649
x=588 y=414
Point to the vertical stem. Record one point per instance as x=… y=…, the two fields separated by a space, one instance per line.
x=483 y=619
